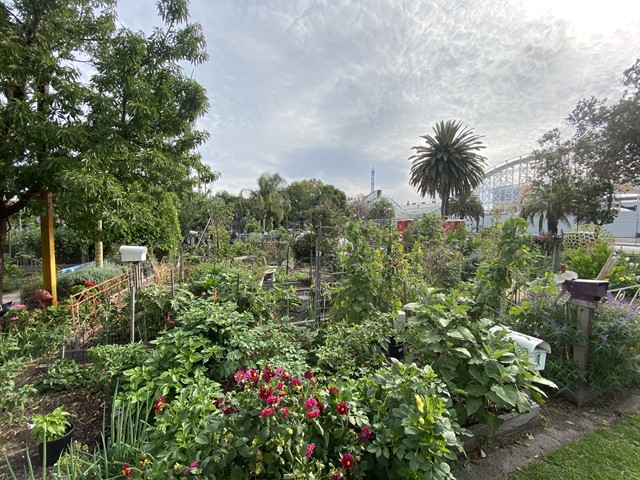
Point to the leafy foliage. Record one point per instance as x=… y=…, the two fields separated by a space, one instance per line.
x=483 y=370
x=614 y=344
x=362 y=289
x=50 y=426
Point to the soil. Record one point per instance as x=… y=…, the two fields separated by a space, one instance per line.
x=87 y=412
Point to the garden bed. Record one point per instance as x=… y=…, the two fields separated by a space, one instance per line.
x=513 y=424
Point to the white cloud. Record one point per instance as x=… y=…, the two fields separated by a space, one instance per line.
x=327 y=89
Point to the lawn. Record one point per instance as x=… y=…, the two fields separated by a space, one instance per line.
x=606 y=453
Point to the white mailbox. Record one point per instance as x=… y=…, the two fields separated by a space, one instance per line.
x=130 y=253
x=536 y=347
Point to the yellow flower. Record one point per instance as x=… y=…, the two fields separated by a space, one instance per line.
x=421 y=420
x=419 y=403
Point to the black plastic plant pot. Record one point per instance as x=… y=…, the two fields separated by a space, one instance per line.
x=56 y=447
x=396 y=349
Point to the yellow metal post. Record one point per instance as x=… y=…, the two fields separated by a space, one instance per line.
x=48 y=250
x=99 y=250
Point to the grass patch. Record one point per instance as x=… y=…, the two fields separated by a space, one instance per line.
x=603 y=454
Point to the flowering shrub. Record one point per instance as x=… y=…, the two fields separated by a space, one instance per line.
x=411 y=433
x=614 y=345
x=272 y=424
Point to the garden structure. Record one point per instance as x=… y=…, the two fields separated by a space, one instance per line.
x=239 y=378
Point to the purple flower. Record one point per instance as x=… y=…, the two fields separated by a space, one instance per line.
x=365 y=433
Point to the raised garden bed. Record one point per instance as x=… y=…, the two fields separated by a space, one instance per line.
x=513 y=424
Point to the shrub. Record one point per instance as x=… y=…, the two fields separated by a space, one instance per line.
x=39 y=333
x=347 y=347
x=111 y=361
x=213 y=340
x=482 y=370
x=614 y=346
x=587 y=261
x=69 y=282
x=272 y=424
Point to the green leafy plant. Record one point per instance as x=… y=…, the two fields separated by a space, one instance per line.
x=484 y=372
x=511 y=267
x=50 y=426
x=587 y=261
x=414 y=431
x=614 y=344
x=66 y=374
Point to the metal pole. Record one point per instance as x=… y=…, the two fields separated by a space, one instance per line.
x=287 y=264
x=133 y=280
x=318 y=289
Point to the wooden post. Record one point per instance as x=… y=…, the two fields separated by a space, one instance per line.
x=99 y=250
x=48 y=249
x=581 y=349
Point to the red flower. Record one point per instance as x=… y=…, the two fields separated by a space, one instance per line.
x=126 y=470
x=89 y=283
x=321 y=406
x=310 y=403
x=342 y=408
x=68 y=307
x=308 y=374
x=268 y=374
x=284 y=413
x=238 y=376
x=333 y=390
x=229 y=410
x=313 y=413
x=252 y=375
x=144 y=461
x=267 y=412
x=265 y=393
x=336 y=476
x=365 y=433
x=160 y=405
x=347 y=461
x=296 y=382
x=310 y=448
x=219 y=401
x=273 y=401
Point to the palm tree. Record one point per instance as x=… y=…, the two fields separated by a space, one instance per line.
x=552 y=202
x=270 y=200
x=448 y=163
x=467 y=205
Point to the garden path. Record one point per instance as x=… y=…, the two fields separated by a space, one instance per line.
x=563 y=423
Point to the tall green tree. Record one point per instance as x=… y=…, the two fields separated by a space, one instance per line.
x=448 y=164
x=315 y=202
x=380 y=209
x=270 y=200
x=467 y=205
x=109 y=146
x=550 y=198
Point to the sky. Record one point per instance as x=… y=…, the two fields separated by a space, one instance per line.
x=330 y=89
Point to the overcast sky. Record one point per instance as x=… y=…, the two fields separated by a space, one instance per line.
x=329 y=89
